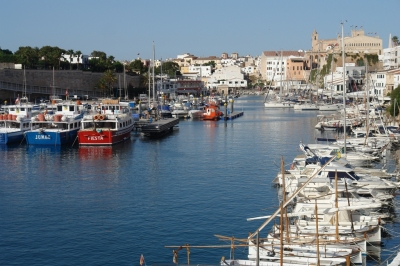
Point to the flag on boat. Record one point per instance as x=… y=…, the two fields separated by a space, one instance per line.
x=66 y=92
x=141 y=259
x=17 y=100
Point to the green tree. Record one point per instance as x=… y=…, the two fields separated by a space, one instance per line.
x=27 y=56
x=101 y=85
x=169 y=68
x=395 y=40
x=78 y=55
x=138 y=67
x=50 y=56
x=210 y=63
x=70 y=52
x=394 y=107
x=118 y=67
x=99 y=54
x=109 y=79
x=6 y=56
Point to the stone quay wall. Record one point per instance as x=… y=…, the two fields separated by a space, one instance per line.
x=47 y=82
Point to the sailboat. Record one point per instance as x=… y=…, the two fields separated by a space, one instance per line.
x=278 y=101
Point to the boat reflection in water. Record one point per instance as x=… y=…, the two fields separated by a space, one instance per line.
x=95 y=152
x=42 y=149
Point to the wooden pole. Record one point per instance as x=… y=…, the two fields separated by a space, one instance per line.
x=281 y=235
x=258 y=250
x=348 y=203
x=233 y=247
x=188 y=253
x=336 y=206
x=317 y=236
x=284 y=214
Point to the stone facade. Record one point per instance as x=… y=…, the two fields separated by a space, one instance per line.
x=41 y=81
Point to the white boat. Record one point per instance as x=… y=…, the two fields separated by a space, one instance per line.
x=179 y=110
x=279 y=104
x=306 y=106
x=330 y=107
x=15 y=122
x=197 y=113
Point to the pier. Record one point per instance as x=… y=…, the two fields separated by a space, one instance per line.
x=233 y=115
x=159 y=127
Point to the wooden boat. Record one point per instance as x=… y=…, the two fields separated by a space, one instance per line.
x=111 y=122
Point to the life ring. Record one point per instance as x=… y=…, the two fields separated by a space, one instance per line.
x=101 y=117
x=95 y=117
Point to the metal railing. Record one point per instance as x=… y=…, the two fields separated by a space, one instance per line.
x=29 y=89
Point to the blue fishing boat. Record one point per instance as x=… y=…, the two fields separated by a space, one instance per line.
x=56 y=129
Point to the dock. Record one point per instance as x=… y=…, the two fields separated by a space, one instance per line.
x=233 y=115
x=159 y=127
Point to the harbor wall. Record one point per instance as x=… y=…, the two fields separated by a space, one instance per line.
x=76 y=81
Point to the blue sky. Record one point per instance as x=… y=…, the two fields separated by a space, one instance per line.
x=124 y=28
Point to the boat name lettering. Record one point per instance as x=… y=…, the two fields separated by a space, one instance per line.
x=95 y=138
x=43 y=137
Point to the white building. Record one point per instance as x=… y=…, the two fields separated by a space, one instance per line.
x=390 y=58
x=396 y=79
x=353 y=79
x=75 y=59
x=248 y=70
x=228 y=62
x=377 y=84
x=231 y=76
x=201 y=71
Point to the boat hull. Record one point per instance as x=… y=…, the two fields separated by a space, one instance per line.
x=103 y=137
x=11 y=137
x=38 y=137
x=278 y=105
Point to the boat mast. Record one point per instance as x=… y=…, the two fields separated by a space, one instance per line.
x=125 y=89
x=332 y=64
x=280 y=85
x=367 y=118
x=153 y=75
x=344 y=91
x=24 y=85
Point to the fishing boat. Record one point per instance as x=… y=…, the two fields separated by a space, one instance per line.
x=111 y=122
x=14 y=122
x=56 y=129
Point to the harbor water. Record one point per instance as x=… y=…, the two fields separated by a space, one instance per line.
x=110 y=205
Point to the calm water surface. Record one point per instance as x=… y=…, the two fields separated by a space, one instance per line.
x=107 y=206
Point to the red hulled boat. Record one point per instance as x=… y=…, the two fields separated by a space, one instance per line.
x=212 y=112
x=110 y=123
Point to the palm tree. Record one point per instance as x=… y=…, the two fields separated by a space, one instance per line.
x=78 y=54
x=71 y=54
x=395 y=40
x=109 y=79
x=101 y=85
